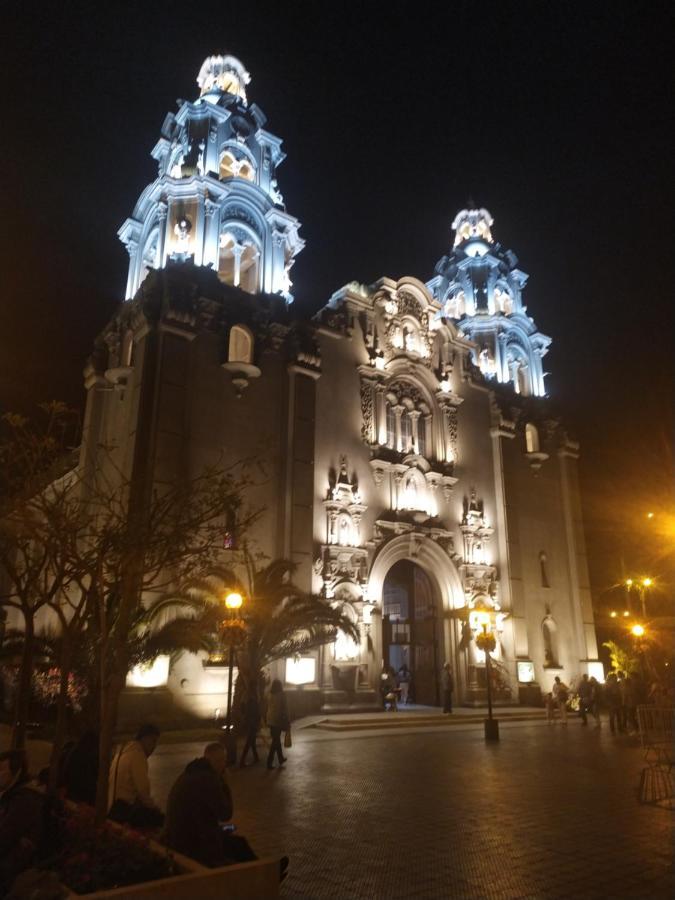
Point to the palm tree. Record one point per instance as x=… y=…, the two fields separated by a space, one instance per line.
x=278 y=619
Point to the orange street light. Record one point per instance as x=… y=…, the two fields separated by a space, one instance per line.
x=637 y=630
x=626 y=613
x=650 y=515
x=647 y=582
x=613 y=614
x=233 y=600
x=629 y=582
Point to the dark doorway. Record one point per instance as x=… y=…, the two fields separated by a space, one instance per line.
x=410 y=629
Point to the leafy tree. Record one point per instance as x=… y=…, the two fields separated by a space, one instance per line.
x=138 y=547
x=622 y=660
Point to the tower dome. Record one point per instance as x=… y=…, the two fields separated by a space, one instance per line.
x=216 y=199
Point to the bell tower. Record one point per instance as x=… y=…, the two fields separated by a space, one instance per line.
x=216 y=199
x=479 y=286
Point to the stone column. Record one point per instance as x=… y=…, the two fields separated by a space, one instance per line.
x=162 y=219
x=211 y=248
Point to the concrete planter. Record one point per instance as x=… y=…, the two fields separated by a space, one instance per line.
x=257 y=880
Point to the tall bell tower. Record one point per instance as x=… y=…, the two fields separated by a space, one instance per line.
x=216 y=199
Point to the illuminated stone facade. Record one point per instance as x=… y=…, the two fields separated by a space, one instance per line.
x=404 y=422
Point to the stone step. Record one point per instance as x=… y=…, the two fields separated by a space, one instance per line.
x=401 y=720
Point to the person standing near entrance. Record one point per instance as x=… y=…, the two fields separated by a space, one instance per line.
x=560 y=696
x=448 y=684
x=404 y=676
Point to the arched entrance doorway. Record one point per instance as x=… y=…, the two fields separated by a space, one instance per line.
x=411 y=628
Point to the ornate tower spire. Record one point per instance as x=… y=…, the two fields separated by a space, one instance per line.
x=216 y=199
x=479 y=284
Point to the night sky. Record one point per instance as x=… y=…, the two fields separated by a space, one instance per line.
x=553 y=115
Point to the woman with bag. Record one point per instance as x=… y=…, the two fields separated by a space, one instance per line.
x=278 y=721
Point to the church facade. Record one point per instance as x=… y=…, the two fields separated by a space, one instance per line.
x=413 y=470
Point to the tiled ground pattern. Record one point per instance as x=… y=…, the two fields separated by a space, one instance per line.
x=548 y=812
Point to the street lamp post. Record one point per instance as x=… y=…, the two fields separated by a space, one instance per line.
x=486 y=642
x=233 y=602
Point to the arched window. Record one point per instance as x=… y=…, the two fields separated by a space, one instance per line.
x=232 y=167
x=455 y=304
x=238 y=261
x=227 y=165
x=240 y=347
x=550 y=635
x=543 y=560
x=531 y=438
x=503 y=299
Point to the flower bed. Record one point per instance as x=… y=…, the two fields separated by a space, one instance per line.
x=96 y=858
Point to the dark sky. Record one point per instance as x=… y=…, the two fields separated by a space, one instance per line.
x=553 y=115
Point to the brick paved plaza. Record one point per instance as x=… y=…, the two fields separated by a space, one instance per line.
x=548 y=812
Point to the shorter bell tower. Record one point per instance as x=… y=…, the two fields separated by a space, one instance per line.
x=480 y=286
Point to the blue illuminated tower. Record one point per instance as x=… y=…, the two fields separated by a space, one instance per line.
x=480 y=287
x=216 y=199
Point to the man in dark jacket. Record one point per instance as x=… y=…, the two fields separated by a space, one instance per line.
x=199 y=803
x=21 y=818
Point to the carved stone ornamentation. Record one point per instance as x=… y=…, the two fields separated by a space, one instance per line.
x=367 y=412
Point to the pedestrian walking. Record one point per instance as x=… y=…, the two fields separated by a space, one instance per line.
x=251 y=719
x=550 y=704
x=561 y=695
x=448 y=685
x=595 y=700
x=278 y=722
x=613 y=700
x=585 y=691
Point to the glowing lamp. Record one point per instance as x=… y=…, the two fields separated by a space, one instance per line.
x=637 y=630
x=300 y=671
x=596 y=670
x=629 y=582
x=626 y=613
x=613 y=614
x=647 y=582
x=150 y=675
x=650 y=515
x=480 y=618
x=234 y=600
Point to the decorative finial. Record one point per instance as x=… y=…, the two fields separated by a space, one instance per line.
x=225 y=74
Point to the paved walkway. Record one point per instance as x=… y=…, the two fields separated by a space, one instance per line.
x=548 y=812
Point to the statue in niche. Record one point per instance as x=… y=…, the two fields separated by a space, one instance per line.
x=410 y=341
x=182 y=230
